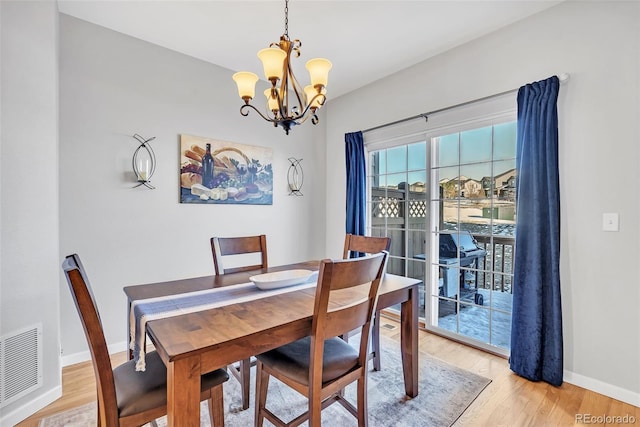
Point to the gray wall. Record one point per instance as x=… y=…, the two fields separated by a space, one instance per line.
x=112 y=86
x=29 y=261
x=598 y=43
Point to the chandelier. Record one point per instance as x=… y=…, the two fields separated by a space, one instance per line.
x=287 y=104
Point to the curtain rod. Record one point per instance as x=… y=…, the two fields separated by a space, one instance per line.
x=563 y=77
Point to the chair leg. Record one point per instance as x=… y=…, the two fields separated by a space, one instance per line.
x=262 y=385
x=345 y=338
x=315 y=407
x=216 y=407
x=363 y=419
x=245 y=381
x=375 y=341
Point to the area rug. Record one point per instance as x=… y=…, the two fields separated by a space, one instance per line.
x=445 y=392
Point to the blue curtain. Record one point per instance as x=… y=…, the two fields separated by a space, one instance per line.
x=536 y=330
x=356 y=183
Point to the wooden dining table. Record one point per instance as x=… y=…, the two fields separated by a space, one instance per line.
x=196 y=343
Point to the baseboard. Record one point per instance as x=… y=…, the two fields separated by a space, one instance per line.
x=83 y=356
x=31 y=407
x=615 y=392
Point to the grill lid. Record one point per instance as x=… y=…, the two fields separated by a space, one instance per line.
x=449 y=244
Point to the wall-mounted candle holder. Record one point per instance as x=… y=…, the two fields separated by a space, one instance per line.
x=144 y=161
x=295 y=177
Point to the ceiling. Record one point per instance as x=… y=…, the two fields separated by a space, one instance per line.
x=365 y=40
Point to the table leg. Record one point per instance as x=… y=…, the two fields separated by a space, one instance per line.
x=183 y=393
x=409 y=342
x=144 y=343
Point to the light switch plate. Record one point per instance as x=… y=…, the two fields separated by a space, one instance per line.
x=610 y=222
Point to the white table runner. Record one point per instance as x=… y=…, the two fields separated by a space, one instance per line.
x=148 y=309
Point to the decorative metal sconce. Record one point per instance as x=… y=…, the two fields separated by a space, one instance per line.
x=295 y=177
x=144 y=161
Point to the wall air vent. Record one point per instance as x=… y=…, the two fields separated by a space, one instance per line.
x=20 y=363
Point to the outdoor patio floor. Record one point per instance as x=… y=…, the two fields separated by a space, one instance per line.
x=478 y=322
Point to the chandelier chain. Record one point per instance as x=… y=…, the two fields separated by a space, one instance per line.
x=286 y=19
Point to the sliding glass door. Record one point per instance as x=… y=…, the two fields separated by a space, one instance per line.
x=398 y=205
x=447 y=200
x=474 y=188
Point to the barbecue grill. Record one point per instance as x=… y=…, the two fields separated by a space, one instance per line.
x=457 y=250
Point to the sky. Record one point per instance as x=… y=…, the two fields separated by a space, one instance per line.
x=473 y=150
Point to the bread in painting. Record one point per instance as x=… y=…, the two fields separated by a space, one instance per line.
x=188 y=179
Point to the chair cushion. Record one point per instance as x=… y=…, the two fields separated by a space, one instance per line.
x=140 y=391
x=293 y=360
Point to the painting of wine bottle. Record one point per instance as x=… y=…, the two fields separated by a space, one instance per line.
x=222 y=172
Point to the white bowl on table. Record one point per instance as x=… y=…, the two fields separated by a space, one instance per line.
x=281 y=279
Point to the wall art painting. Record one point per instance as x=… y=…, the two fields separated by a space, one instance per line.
x=222 y=172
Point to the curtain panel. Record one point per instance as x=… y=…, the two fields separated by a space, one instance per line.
x=356 y=183
x=536 y=332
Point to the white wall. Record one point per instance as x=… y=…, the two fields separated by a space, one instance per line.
x=29 y=187
x=112 y=86
x=598 y=43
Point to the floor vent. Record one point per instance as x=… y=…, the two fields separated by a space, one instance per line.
x=20 y=364
x=388 y=326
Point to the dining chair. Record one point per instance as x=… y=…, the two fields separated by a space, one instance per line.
x=368 y=245
x=126 y=397
x=365 y=244
x=224 y=247
x=321 y=365
x=221 y=248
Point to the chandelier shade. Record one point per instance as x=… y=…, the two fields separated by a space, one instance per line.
x=287 y=103
x=272 y=101
x=272 y=61
x=318 y=71
x=311 y=93
x=246 y=83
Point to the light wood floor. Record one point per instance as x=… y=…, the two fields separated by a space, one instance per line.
x=508 y=401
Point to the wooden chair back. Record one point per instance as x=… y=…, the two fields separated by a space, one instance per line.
x=226 y=246
x=90 y=318
x=353 y=244
x=364 y=244
x=346 y=297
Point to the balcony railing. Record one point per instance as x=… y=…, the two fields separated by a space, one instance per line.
x=498 y=263
x=401 y=215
